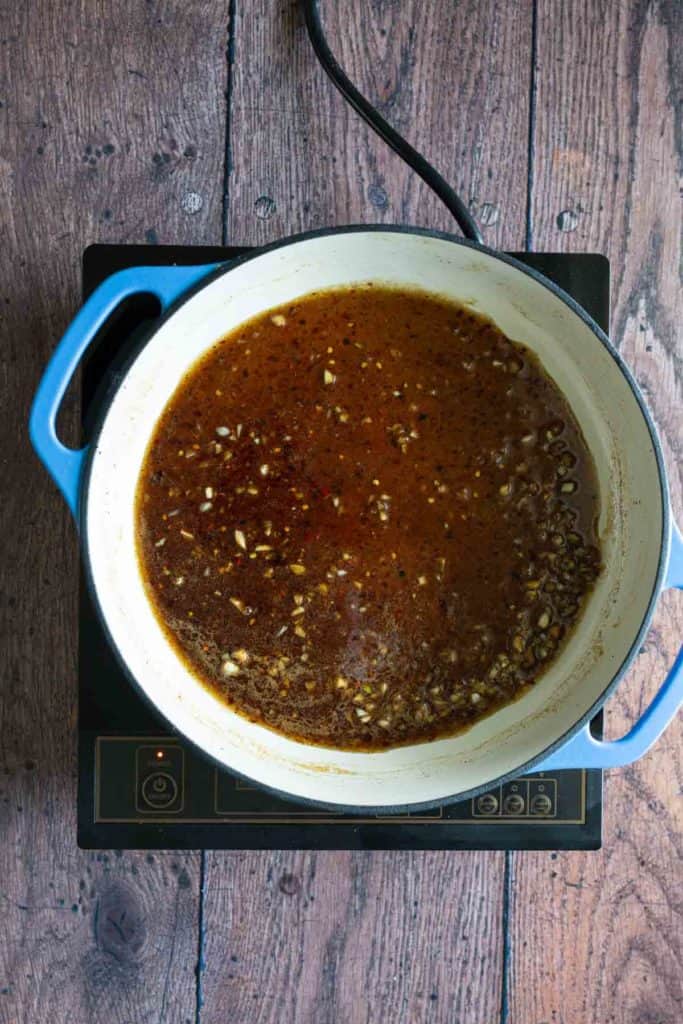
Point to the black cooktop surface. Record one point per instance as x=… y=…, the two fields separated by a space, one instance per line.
x=141 y=787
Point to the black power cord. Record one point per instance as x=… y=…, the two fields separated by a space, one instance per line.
x=429 y=174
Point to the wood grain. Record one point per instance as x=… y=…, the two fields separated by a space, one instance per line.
x=453 y=77
x=95 y=937
x=107 y=125
x=597 y=938
x=341 y=938
x=366 y=937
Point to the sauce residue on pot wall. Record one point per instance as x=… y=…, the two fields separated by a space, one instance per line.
x=368 y=518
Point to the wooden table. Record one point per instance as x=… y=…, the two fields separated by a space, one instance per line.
x=209 y=121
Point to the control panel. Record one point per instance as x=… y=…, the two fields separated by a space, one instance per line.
x=533 y=797
x=159 y=779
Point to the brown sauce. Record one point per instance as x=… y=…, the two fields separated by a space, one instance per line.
x=368 y=518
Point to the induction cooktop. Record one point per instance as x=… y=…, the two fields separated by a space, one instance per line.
x=140 y=786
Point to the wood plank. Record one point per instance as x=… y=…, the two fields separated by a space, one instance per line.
x=366 y=937
x=111 y=129
x=455 y=83
x=362 y=937
x=597 y=938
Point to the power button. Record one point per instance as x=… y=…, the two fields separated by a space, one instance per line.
x=159 y=790
x=160 y=772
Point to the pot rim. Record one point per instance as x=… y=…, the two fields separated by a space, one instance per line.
x=527 y=766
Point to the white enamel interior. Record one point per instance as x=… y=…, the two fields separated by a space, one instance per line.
x=631 y=521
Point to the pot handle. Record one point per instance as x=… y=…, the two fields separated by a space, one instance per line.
x=585 y=751
x=65 y=465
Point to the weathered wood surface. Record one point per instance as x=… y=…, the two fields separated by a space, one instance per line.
x=108 y=120
x=352 y=937
x=453 y=77
x=331 y=937
x=599 y=938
